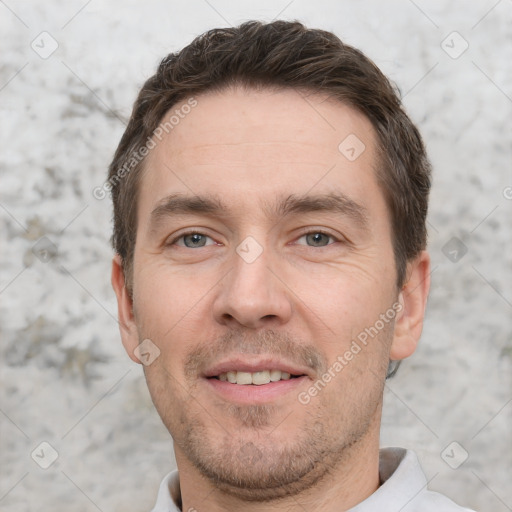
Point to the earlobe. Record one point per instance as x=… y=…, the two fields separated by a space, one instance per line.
x=413 y=299
x=127 y=325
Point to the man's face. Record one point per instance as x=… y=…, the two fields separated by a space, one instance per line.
x=260 y=288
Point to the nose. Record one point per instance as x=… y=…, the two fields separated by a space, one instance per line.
x=253 y=294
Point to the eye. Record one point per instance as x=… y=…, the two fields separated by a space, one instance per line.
x=191 y=240
x=317 y=238
x=195 y=239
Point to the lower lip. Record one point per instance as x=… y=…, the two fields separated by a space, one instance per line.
x=251 y=393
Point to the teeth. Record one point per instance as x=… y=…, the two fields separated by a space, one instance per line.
x=243 y=378
x=275 y=375
x=259 y=378
x=256 y=378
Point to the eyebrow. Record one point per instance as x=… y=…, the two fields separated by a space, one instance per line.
x=334 y=202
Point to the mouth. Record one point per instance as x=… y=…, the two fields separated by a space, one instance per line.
x=259 y=378
x=244 y=381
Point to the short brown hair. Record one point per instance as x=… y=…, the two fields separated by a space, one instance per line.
x=280 y=54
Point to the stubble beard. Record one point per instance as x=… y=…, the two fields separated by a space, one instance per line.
x=246 y=464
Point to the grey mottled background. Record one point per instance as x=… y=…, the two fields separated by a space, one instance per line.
x=65 y=379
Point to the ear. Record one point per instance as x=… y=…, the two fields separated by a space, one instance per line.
x=127 y=326
x=413 y=298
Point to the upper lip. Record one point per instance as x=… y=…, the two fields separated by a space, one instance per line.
x=245 y=364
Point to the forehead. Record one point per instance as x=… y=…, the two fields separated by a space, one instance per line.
x=284 y=118
x=246 y=145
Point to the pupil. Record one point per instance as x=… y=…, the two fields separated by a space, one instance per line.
x=195 y=238
x=316 y=237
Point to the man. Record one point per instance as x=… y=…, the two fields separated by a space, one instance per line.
x=270 y=197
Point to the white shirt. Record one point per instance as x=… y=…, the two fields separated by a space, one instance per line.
x=404 y=488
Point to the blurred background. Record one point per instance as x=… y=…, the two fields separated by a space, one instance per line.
x=77 y=427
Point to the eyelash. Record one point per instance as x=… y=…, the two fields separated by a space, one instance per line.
x=304 y=233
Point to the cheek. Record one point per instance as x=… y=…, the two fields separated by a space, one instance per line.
x=359 y=333
x=172 y=311
x=348 y=297
x=163 y=295
x=168 y=395
x=354 y=378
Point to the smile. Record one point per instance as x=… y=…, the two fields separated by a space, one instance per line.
x=256 y=378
